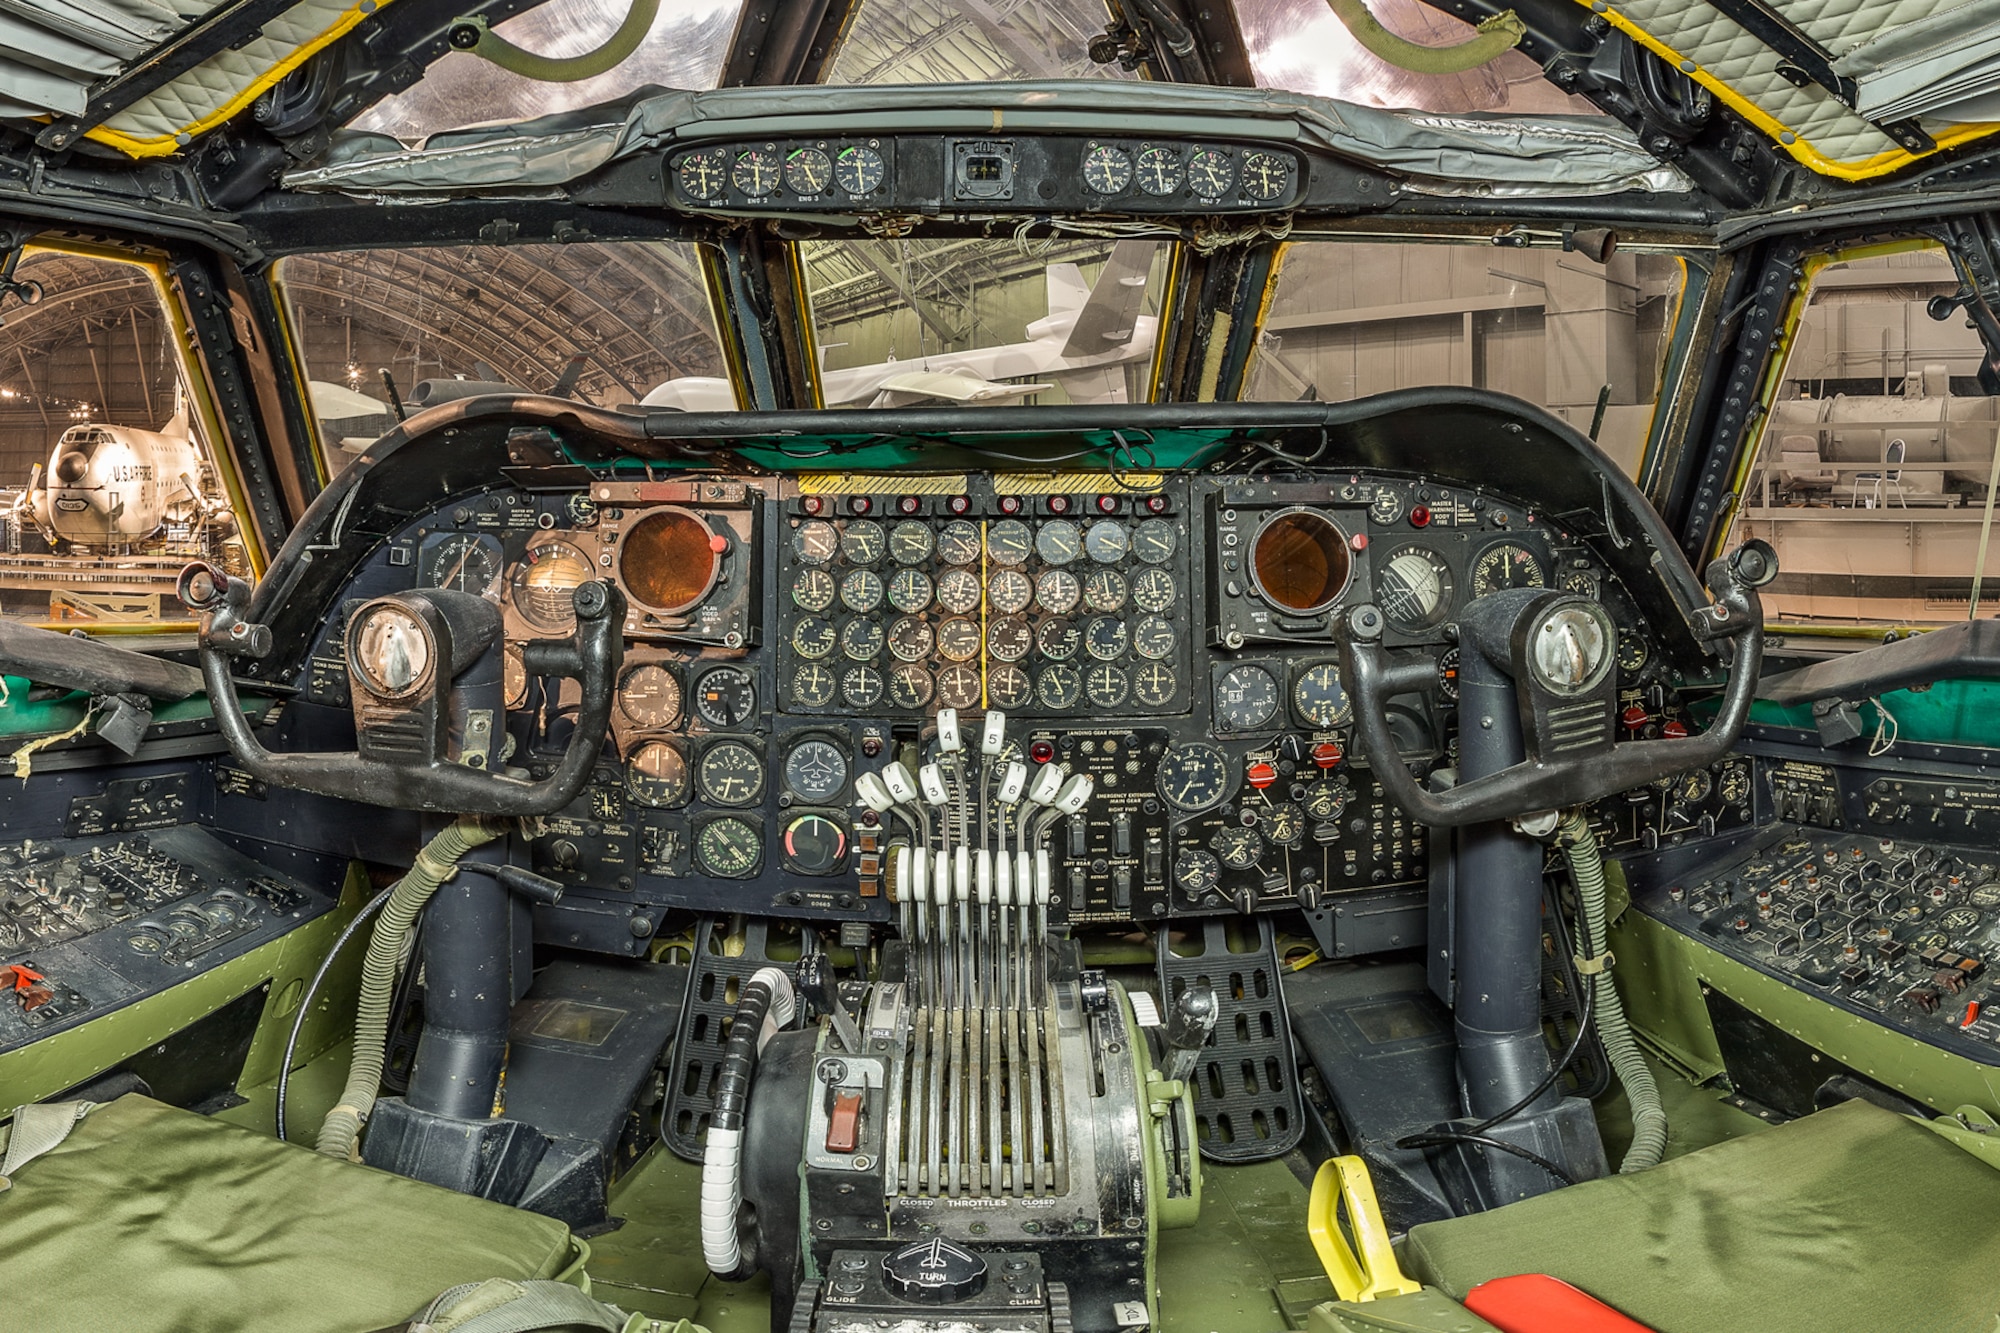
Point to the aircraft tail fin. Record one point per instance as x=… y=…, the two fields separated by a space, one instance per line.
x=1107 y=319
x=1067 y=290
x=565 y=385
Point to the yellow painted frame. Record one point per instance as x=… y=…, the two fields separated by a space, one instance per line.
x=1866 y=169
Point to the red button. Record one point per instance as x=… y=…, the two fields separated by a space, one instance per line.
x=1326 y=754
x=717 y=542
x=1420 y=517
x=1107 y=504
x=1674 y=730
x=1058 y=504
x=1261 y=775
x=1359 y=541
x=1042 y=751
x=1634 y=717
x=812 y=504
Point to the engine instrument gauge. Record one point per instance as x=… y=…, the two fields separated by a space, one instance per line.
x=1283 y=824
x=725 y=697
x=910 y=686
x=1158 y=170
x=1325 y=799
x=1059 y=686
x=1581 y=582
x=1387 y=506
x=816 y=770
x=1009 y=542
x=910 y=590
x=701 y=175
x=1104 y=590
x=813 y=685
x=808 y=171
x=1153 y=684
x=859 y=169
x=910 y=542
x=729 y=848
x=549 y=573
x=861 y=639
x=1153 y=590
x=1448 y=675
x=813 y=589
x=1194 y=777
x=1633 y=654
x=1153 y=637
x=656 y=774
x=1694 y=785
x=1058 y=639
x=958 y=544
x=1155 y=541
x=861 y=686
x=464 y=562
x=1059 y=542
x=861 y=590
x=813 y=637
x=1210 y=173
x=958 y=590
x=514 y=676
x=1246 y=698
x=1734 y=785
x=1009 y=639
x=1319 y=697
x=1413 y=586
x=910 y=639
x=1058 y=590
x=1107 y=685
x=1237 y=847
x=729 y=773
x=862 y=543
x=1197 y=872
x=1107 y=541
x=650 y=696
x=1107 y=169
x=958 y=686
x=1505 y=565
x=958 y=639
x=1009 y=591
x=816 y=542
x=1265 y=175
x=756 y=172
x=1008 y=686
x=1106 y=638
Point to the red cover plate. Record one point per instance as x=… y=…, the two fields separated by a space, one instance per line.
x=1538 y=1303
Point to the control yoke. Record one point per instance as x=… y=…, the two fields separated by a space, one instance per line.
x=590 y=656
x=1542 y=782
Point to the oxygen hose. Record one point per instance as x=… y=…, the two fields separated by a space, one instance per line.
x=1649 y=1118
x=435 y=864
x=766 y=1006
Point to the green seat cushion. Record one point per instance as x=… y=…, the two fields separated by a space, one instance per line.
x=1853 y=1220
x=148 y=1219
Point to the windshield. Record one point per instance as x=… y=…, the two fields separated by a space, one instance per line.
x=939 y=41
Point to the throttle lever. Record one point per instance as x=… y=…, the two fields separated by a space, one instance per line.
x=1188 y=1030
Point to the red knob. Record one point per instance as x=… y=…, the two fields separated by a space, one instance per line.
x=1261 y=774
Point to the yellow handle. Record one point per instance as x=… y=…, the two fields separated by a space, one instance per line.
x=1365 y=1269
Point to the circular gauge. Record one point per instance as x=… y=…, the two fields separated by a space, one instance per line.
x=756 y=172
x=1413 y=587
x=730 y=773
x=390 y=650
x=1284 y=824
x=910 y=542
x=1237 y=847
x=1197 y=872
x=813 y=637
x=1009 y=639
x=650 y=695
x=1246 y=698
x=1154 y=684
x=1694 y=786
x=1106 y=638
x=816 y=542
x=860 y=639
x=861 y=589
x=1107 y=541
x=548 y=575
x=1386 y=507
x=808 y=171
x=813 y=590
x=861 y=686
x=958 y=544
x=958 y=590
x=726 y=697
x=702 y=175
x=1153 y=590
x=910 y=640
x=670 y=559
x=1158 y=170
x=1009 y=542
x=728 y=848
x=1009 y=591
x=1194 y=777
x=1633 y=654
x=1570 y=648
x=1058 y=590
x=1325 y=799
x=1505 y=565
x=1448 y=675
x=815 y=845
x=1734 y=785
x=656 y=774
x=1104 y=590
x=464 y=562
x=1581 y=582
x=813 y=685
x=1153 y=637
x=1059 y=686
x=816 y=770
x=859 y=169
x=1265 y=175
x=514 y=676
x=1108 y=686
x=1210 y=173
x=1059 y=542
x=862 y=543
x=910 y=686
x=958 y=640
x=1299 y=561
x=1058 y=639
x=1008 y=687
x=1155 y=541
x=910 y=590
x=582 y=511
x=1107 y=169
x=958 y=686
x=1319 y=697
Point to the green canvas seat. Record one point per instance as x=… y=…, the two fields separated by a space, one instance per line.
x=1853 y=1220
x=148 y=1219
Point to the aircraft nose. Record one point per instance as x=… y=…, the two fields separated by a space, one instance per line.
x=72 y=466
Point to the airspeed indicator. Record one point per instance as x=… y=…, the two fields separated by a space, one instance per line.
x=1194 y=777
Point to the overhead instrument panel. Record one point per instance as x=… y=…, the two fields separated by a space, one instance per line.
x=1034 y=172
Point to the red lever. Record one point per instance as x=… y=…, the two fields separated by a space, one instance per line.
x=1538 y=1303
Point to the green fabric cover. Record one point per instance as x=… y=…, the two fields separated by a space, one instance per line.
x=149 y=1219
x=1854 y=1220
